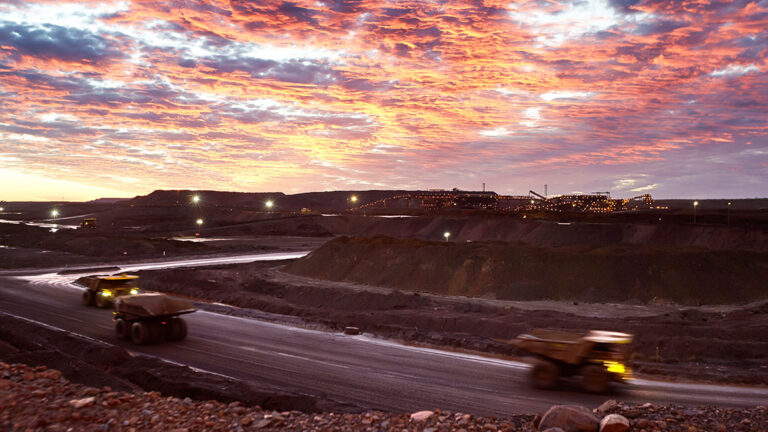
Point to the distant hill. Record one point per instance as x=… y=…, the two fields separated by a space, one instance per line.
x=318 y=201
x=108 y=200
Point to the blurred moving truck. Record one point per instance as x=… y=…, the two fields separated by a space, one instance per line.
x=597 y=357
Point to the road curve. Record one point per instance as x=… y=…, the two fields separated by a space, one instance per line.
x=369 y=371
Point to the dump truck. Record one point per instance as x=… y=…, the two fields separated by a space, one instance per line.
x=88 y=223
x=597 y=357
x=151 y=317
x=103 y=290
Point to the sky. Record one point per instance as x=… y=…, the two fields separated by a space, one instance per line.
x=104 y=98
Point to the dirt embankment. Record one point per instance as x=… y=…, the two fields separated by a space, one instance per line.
x=30 y=246
x=511 y=271
x=88 y=243
x=98 y=364
x=512 y=228
x=725 y=347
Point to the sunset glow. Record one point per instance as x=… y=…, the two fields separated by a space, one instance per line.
x=120 y=98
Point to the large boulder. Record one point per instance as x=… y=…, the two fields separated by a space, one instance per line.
x=614 y=423
x=569 y=418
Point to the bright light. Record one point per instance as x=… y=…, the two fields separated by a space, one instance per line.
x=2 y=209
x=199 y=221
x=269 y=204
x=196 y=199
x=353 y=198
x=54 y=213
x=615 y=367
x=134 y=291
x=532 y=201
x=446 y=235
x=695 y=203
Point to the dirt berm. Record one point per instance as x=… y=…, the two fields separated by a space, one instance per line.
x=508 y=271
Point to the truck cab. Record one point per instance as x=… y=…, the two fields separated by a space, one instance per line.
x=102 y=291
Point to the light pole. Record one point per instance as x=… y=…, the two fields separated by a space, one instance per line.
x=729 y=212
x=695 y=204
x=199 y=223
x=447 y=235
x=269 y=205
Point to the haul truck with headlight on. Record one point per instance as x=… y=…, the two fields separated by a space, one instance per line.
x=597 y=357
x=151 y=317
x=102 y=291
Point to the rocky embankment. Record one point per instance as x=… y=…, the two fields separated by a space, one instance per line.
x=547 y=232
x=41 y=399
x=513 y=271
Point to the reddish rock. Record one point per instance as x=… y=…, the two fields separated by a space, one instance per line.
x=81 y=403
x=614 y=423
x=570 y=418
x=51 y=374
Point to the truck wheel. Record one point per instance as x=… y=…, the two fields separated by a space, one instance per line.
x=178 y=329
x=101 y=301
x=141 y=333
x=87 y=298
x=122 y=329
x=594 y=379
x=544 y=374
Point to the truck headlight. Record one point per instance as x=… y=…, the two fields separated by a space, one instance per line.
x=134 y=291
x=106 y=293
x=615 y=367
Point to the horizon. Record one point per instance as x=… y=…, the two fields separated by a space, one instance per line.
x=358 y=191
x=119 y=98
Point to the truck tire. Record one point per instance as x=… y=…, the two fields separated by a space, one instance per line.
x=87 y=298
x=141 y=333
x=102 y=302
x=122 y=329
x=544 y=374
x=595 y=379
x=178 y=329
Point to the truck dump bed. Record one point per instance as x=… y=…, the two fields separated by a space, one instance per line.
x=568 y=347
x=151 y=305
x=559 y=345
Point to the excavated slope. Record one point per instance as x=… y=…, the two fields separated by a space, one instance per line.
x=514 y=271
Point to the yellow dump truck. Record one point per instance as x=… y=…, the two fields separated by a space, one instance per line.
x=597 y=357
x=151 y=317
x=88 y=223
x=103 y=290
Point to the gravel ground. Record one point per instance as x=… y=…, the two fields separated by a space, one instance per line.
x=41 y=399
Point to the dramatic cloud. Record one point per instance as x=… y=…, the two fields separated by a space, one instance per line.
x=635 y=95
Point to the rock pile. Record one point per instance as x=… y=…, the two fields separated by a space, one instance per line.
x=37 y=398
